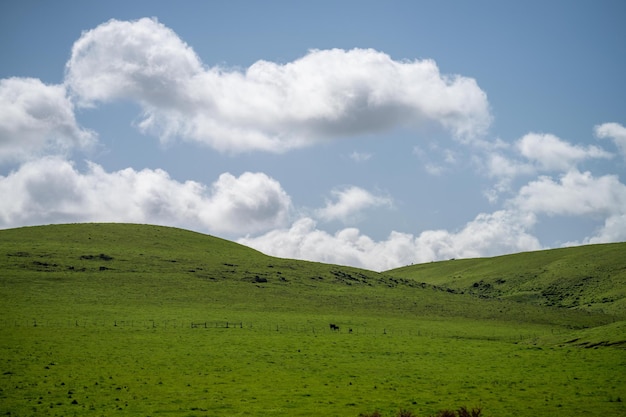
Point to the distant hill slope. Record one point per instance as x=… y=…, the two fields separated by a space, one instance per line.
x=134 y=248
x=111 y=270
x=589 y=277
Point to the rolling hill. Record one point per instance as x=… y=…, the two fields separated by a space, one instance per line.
x=89 y=264
x=591 y=278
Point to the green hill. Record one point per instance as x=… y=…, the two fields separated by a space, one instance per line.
x=111 y=266
x=124 y=319
x=590 y=277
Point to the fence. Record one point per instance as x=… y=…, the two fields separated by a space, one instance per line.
x=207 y=325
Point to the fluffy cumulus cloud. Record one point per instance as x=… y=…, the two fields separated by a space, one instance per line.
x=614 y=131
x=251 y=203
x=567 y=192
x=534 y=153
x=579 y=194
x=349 y=203
x=303 y=240
x=504 y=231
x=36 y=118
x=270 y=106
x=487 y=235
x=613 y=230
x=141 y=60
x=538 y=152
x=574 y=194
x=503 y=167
x=52 y=190
x=551 y=153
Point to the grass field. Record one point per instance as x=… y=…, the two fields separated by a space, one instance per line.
x=111 y=319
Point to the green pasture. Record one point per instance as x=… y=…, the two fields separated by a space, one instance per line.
x=109 y=319
x=261 y=371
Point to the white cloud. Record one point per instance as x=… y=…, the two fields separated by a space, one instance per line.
x=504 y=170
x=141 y=60
x=575 y=194
x=553 y=154
x=434 y=169
x=349 y=203
x=614 y=131
x=487 y=235
x=579 y=194
x=271 y=107
x=531 y=154
x=500 y=166
x=52 y=190
x=508 y=230
x=360 y=156
x=613 y=230
x=251 y=203
x=36 y=118
x=346 y=247
x=436 y=161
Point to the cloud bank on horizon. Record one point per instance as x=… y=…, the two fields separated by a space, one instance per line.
x=277 y=108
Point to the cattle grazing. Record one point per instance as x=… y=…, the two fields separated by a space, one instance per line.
x=334 y=327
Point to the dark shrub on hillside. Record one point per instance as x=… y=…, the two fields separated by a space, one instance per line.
x=464 y=412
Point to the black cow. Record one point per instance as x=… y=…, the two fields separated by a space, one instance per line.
x=334 y=327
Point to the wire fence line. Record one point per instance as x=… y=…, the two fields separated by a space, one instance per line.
x=222 y=325
x=188 y=324
x=134 y=323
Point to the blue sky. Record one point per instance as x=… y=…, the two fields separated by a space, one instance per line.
x=375 y=134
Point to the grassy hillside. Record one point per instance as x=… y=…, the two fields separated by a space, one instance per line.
x=591 y=277
x=158 y=269
x=102 y=319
